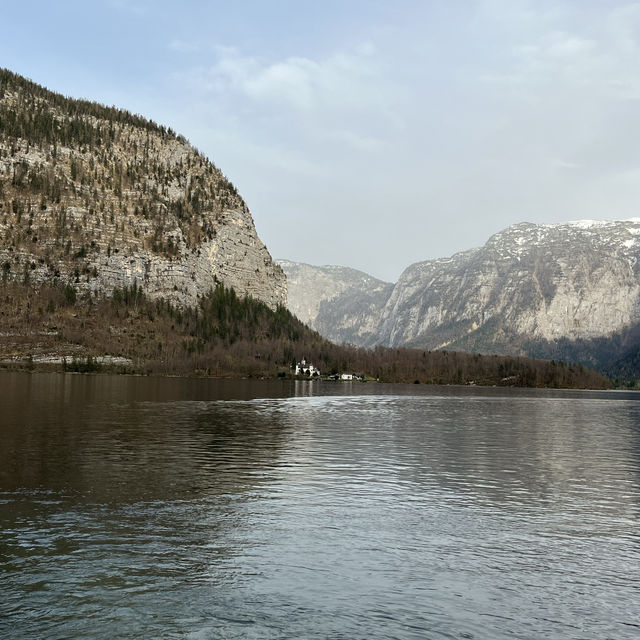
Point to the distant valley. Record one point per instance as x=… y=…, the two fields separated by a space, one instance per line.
x=340 y=303
x=566 y=291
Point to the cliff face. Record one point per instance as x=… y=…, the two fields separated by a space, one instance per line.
x=342 y=304
x=544 y=282
x=99 y=198
x=528 y=284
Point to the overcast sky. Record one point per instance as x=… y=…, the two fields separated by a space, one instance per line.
x=369 y=133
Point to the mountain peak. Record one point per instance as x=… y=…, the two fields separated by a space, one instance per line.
x=99 y=198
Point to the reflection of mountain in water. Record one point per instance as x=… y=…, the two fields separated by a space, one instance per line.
x=286 y=513
x=125 y=439
x=509 y=452
x=517 y=452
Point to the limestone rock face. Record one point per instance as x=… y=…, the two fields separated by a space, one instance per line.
x=340 y=303
x=98 y=198
x=579 y=280
x=574 y=280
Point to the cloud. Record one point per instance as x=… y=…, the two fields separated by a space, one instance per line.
x=559 y=163
x=343 y=81
x=565 y=45
x=293 y=82
x=519 y=109
x=341 y=103
x=623 y=25
x=599 y=53
x=363 y=143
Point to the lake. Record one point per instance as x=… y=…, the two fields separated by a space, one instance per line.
x=135 y=507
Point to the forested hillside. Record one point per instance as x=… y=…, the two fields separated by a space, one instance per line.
x=99 y=198
x=226 y=335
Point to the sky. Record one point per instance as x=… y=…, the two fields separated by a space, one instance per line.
x=368 y=133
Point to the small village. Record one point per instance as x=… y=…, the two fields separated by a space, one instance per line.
x=304 y=369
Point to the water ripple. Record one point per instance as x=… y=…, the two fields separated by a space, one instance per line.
x=144 y=512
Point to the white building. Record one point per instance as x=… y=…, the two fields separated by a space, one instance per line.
x=350 y=376
x=304 y=368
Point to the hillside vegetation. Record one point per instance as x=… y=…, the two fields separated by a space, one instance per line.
x=86 y=163
x=226 y=335
x=99 y=198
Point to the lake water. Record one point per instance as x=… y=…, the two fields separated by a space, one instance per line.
x=169 y=508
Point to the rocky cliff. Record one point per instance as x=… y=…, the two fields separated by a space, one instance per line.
x=338 y=302
x=98 y=198
x=529 y=287
x=578 y=280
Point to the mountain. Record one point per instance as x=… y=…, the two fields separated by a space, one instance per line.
x=122 y=247
x=338 y=302
x=570 y=291
x=577 y=280
x=98 y=199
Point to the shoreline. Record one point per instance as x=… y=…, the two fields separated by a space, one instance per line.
x=35 y=367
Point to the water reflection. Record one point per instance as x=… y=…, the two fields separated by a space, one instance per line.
x=172 y=508
x=135 y=452
x=519 y=450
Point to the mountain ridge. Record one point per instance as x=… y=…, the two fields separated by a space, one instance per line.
x=530 y=289
x=316 y=291
x=100 y=198
x=123 y=248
